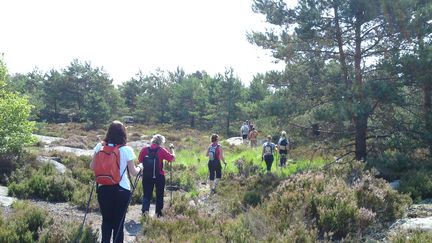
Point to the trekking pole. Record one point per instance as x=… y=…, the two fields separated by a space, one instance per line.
x=171 y=146
x=130 y=199
x=85 y=214
x=171 y=185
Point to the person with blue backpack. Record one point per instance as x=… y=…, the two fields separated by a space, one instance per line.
x=244 y=132
x=267 y=152
x=283 y=147
x=215 y=154
x=153 y=174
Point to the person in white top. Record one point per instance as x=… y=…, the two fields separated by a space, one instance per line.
x=113 y=199
x=244 y=131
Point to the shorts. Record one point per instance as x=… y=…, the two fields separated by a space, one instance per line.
x=215 y=167
x=244 y=136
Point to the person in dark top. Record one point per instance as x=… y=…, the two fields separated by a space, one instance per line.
x=215 y=154
x=283 y=147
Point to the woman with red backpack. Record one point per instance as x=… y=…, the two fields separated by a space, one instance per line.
x=215 y=154
x=110 y=160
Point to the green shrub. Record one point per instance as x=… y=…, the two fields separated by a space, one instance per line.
x=81 y=196
x=418 y=184
x=235 y=231
x=44 y=184
x=411 y=237
x=251 y=198
x=138 y=193
x=392 y=165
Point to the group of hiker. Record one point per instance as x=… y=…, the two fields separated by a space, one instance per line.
x=112 y=158
x=249 y=133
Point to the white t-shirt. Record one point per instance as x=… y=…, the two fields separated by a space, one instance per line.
x=126 y=154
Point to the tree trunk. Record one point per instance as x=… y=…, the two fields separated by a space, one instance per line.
x=360 y=138
x=192 y=122
x=361 y=117
x=227 y=126
x=427 y=105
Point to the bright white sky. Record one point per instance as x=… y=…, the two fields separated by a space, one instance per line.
x=126 y=36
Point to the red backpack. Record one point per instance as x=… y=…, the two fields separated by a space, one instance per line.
x=106 y=165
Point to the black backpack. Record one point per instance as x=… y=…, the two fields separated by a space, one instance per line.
x=151 y=164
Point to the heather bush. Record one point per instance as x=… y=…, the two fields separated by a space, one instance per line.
x=69 y=232
x=335 y=209
x=24 y=224
x=342 y=202
x=375 y=195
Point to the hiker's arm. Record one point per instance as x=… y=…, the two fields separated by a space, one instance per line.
x=222 y=156
x=172 y=153
x=133 y=170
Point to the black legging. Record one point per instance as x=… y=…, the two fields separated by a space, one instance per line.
x=269 y=161
x=113 y=201
x=148 y=185
x=283 y=158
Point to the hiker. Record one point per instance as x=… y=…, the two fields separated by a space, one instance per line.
x=114 y=198
x=250 y=124
x=267 y=152
x=152 y=158
x=244 y=131
x=215 y=154
x=253 y=135
x=283 y=148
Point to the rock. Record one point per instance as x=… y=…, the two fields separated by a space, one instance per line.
x=192 y=203
x=76 y=151
x=46 y=139
x=235 y=141
x=48 y=160
x=422 y=224
x=5 y=201
x=420 y=211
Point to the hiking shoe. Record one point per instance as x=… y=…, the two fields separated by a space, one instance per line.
x=159 y=215
x=213 y=191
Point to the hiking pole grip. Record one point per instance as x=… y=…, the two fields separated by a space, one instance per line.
x=85 y=214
